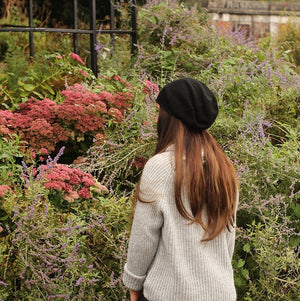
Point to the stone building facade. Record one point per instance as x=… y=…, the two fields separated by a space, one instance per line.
x=256 y=17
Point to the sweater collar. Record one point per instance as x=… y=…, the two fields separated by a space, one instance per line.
x=170 y=148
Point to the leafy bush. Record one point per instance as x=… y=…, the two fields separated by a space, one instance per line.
x=14 y=13
x=258 y=94
x=50 y=251
x=39 y=80
x=76 y=119
x=269 y=199
x=167 y=45
x=288 y=40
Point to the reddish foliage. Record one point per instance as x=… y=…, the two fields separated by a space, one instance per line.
x=150 y=88
x=139 y=162
x=76 y=57
x=122 y=100
x=45 y=109
x=3 y=190
x=73 y=182
x=116 y=114
x=44 y=123
x=118 y=78
x=82 y=109
x=83 y=73
x=41 y=134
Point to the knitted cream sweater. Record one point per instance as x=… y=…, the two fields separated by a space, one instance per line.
x=165 y=257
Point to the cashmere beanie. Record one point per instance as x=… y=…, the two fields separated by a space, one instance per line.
x=190 y=101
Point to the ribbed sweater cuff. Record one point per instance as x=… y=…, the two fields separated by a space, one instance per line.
x=132 y=281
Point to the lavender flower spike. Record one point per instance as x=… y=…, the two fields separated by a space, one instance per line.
x=79 y=281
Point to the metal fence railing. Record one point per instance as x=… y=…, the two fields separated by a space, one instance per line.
x=75 y=31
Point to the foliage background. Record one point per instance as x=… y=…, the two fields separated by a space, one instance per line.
x=67 y=175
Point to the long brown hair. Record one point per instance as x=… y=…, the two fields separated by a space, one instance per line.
x=207 y=175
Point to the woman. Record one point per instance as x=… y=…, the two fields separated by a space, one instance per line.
x=182 y=237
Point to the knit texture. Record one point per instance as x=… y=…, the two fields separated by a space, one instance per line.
x=166 y=258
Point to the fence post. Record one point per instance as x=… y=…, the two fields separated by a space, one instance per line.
x=93 y=37
x=31 y=26
x=75 y=31
x=133 y=27
x=112 y=21
x=75 y=36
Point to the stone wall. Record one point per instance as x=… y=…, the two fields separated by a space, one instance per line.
x=256 y=17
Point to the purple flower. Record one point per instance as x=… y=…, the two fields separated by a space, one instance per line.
x=76 y=247
x=3 y=283
x=79 y=281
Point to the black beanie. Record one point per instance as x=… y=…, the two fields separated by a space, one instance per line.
x=190 y=101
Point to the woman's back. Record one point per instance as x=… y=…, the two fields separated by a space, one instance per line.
x=183 y=234
x=182 y=267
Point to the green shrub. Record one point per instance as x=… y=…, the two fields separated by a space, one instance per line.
x=258 y=94
x=289 y=41
x=53 y=252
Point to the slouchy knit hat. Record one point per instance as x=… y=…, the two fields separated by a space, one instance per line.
x=190 y=101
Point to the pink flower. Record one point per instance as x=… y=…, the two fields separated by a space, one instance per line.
x=107 y=96
x=118 y=78
x=71 y=196
x=116 y=114
x=76 y=57
x=44 y=151
x=79 y=281
x=3 y=129
x=3 y=190
x=100 y=188
x=53 y=185
x=83 y=73
x=72 y=181
x=84 y=193
x=122 y=100
x=150 y=88
x=59 y=57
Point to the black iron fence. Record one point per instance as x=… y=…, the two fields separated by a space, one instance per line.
x=75 y=31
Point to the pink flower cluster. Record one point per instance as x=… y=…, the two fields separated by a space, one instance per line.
x=150 y=88
x=73 y=182
x=118 y=78
x=37 y=123
x=44 y=123
x=82 y=109
x=76 y=57
x=3 y=190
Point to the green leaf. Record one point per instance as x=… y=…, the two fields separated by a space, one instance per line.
x=246 y=248
x=245 y=273
x=4 y=218
x=38 y=94
x=167 y=54
x=294 y=241
x=240 y=263
x=5 y=106
x=153 y=20
x=48 y=88
x=296 y=209
x=29 y=87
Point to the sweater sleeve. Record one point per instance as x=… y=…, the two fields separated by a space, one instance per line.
x=146 y=227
